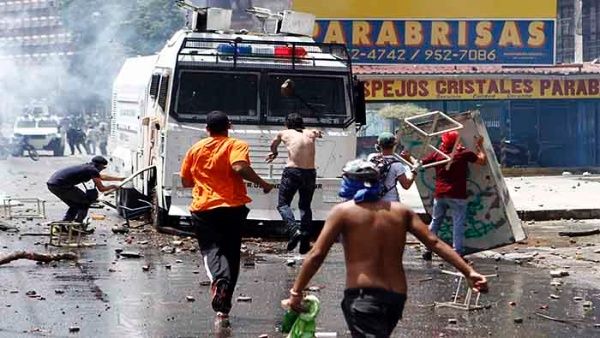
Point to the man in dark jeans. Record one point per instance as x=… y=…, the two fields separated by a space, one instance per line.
x=373 y=233
x=299 y=175
x=216 y=167
x=63 y=184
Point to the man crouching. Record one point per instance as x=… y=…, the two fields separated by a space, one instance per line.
x=373 y=234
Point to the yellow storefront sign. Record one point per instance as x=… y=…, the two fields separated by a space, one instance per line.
x=480 y=89
x=426 y=9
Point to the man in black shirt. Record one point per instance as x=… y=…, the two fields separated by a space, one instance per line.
x=63 y=184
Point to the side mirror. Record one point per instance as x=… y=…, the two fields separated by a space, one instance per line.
x=360 y=109
x=287 y=88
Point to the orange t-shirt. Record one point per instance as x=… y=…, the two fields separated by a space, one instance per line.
x=208 y=165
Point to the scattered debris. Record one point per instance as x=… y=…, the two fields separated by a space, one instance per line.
x=314 y=288
x=553 y=296
x=143 y=242
x=98 y=217
x=544 y=307
x=190 y=298
x=425 y=279
x=205 y=283
x=567 y=173
x=168 y=266
x=59 y=291
x=34 y=256
x=556 y=283
x=512 y=303
x=579 y=233
x=145 y=268
x=290 y=262
x=130 y=254
x=244 y=299
x=73 y=329
x=167 y=249
x=587 y=304
x=177 y=243
x=559 y=273
x=178 y=261
x=112 y=270
x=452 y=321
x=30 y=293
x=518 y=320
x=120 y=229
x=566 y=321
x=587 y=173
x=577 y=299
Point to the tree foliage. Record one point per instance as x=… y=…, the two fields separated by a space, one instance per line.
x=401 y=111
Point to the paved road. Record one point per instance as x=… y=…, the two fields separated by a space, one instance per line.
x=106 y=296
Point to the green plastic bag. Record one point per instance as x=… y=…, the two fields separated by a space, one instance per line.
x=306 y=324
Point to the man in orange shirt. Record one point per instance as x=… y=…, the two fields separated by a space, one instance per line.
x=216 y=168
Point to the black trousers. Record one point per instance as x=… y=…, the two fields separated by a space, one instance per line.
x=372 y=312
x=302 y=181
x=219 y=237
x=75 y=198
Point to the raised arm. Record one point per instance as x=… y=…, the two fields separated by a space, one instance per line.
x=420 y=230
x=481 y=156
x=274 y=144
x=314 y=259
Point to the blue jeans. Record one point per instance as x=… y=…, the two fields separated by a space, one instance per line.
x=458 y=207
x=303 y=182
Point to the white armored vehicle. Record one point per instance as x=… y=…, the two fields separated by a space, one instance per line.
x=160 y=105
x=40 y=129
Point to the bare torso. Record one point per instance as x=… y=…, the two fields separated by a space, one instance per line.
x=373 y=236
x=301 y=147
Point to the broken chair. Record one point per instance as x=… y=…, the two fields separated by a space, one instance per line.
x=467 y=304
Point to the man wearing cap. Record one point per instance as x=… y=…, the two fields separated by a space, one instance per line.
x=216 y=167
x=451 y=186
x=63 y=184
x=391 y=168
x=373 y=234
x=299 y=175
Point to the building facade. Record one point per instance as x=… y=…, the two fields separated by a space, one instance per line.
x=32 y=31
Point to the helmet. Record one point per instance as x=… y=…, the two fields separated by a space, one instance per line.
x=362 y=170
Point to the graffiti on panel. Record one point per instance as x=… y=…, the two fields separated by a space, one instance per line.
x=491 y=219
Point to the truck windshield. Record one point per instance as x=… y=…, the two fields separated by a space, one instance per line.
x=199 y=93
x=26 y=124
x=47 y=124
x=319 y=100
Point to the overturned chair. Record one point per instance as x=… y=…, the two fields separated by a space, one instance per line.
x=69 y=234
x=132 y=205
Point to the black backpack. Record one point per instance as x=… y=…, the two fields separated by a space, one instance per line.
x=383 y=164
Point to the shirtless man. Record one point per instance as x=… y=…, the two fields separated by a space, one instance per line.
x=299 y=176
x=373 y=233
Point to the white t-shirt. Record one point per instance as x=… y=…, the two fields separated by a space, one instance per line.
x=397 y=169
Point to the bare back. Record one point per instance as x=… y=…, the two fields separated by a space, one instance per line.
x=374 y=236
x=301 y=147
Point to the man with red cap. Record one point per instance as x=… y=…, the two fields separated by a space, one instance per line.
x=451 y=186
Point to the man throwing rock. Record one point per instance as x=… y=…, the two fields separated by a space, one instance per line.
x=216 y=167
x=299 y=175
x=373 y=233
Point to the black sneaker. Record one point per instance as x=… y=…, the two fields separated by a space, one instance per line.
x=427 y=256
x=294 y=239
x=220 y=299
x=305 y=244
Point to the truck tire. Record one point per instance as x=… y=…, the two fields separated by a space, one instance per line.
x=58 y=150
